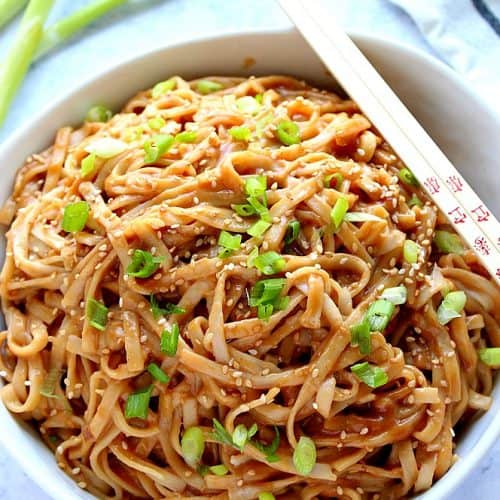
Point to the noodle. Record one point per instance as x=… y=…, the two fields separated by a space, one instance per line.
x=283 y=365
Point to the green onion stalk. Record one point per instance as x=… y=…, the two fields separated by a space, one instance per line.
x=21 y=53
x=9 y=8
x=62 y=30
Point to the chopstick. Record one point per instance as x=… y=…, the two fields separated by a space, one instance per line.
x=442 y=182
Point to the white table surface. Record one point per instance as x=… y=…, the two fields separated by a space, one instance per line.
x=144 y=24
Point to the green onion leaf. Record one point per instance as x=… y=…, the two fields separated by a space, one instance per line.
x=157 y=146
x=407 y=177
x=451 y=307
x=490 y=356
x=240 y=436
x=253 y=430
x=97 y=314
x=158 y=374
x=248 y=105
x=161 y=88
x=244 y=210
x=156 y=123
x=269 y=450
x=169 y=308
x=264 y=311
x=371 y=375
x=138 y=403
x=292 y=232
x=49 y=385
x=98 y=114
x=106 y=147
x=202 y=470
x=338 y=211
x=265 y=495
x=304 y=456
x=397 y=295
x=411 y=251
x=220 y=433
x=337 y=179
x=188 y=136
x=256 y=186
x=75 y=216
x=251 y=257
x=259 y=208
x=361 y=217
x=219 y=470
x=288 y=132
x=259 y=98
x=144 y=264
x=88 y=164
x=379 y=314
x=192 y=445
x=270 y=263
x=415 y=201
x=169 y=340
x=360 y=336
x=229 y=243
x=266 y=291
x=259 y=228
x=240 y=133
x=207 y=86
x=448 y=242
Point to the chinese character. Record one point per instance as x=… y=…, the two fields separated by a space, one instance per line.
x=432 y=185
x=455 y=183
x=458 y=215
x=481 y=245
x=481 y=213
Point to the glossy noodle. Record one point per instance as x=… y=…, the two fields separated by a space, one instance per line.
x=267 y=224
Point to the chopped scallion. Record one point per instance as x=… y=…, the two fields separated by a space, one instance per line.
x=106 y=147
x=137 y=404
x=269 y=450
x=158 y=374
x=251 y=257
x=169 y=340
x=490 y=356
x=304 y=456
x=240 y=133
x=259 y=228
x=240 y=436
x=219 y=470
x=451 y=307
x=406 y=176
x=361 y=217
x=193 y=445
x=157 y=146
x=360 y=336
x=229 y=243
x=415 y=201
x=161 y=88
x=265 y=495
x=48 y=388
x=97 y=314
x=248 y=105
x=144 y=264
x=411 y=251
x=245 y=210
x=207 y=86
x=371 y=375
x=397 y=295
x=256 y=186
x=292 y=232
x=188 y=136
x=448 y=242
x=75 y=216
x=270 y=263
x=156 y=123
x=288 y=132
x=379 y=314
x=98 y=114
x=88 y=165
x=334 y=180
x=168 y=308
x=338 y=212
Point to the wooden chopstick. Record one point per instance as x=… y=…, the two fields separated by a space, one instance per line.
x=442 y=182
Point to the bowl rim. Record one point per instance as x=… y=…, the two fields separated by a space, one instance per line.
x=459 y=471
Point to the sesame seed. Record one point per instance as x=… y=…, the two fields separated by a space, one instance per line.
x=315 y=373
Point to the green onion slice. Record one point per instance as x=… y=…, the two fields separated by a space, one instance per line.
x=270 y=263
x=248 y=105
x=188 y=136
x=49 y=385
x=144 y=264
x=229 y=243
x=97 y=314
x=137 y=404
x=451 y=307
x=156 y=123
x=245 y=210
x=448 y=242
x=304 y=456
x=490 y=356
x=360 y=336
x=251 y=257
x=269 y=450
x=157 y=146
x=158 y=374
x=411 y=251
x=169 y=340
x=88 y=165
x=292 y=232
x=98 y=114
x=168 y=308
x=259 y=228
x=407 y=177
x=106 y=147
x=361 y=217
x=256 y=186
x=337 y=179
x=397 y=295
x=266 y=291
x=240 y=133
x=265 y=495
x=219 y=470
x=192 y=445
x=339 y=211
x=371 y=375
x=415 y=201
x=161 y=88
x=288 y=132
x=207 y=86
x=75 y=216
x=379 y=314
x=240 y=436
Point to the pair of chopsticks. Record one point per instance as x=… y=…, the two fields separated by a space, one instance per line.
x=443 y=183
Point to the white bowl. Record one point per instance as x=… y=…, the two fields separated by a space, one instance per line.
x=461 y=124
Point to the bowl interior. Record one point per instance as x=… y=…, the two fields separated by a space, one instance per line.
x=458 y=122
